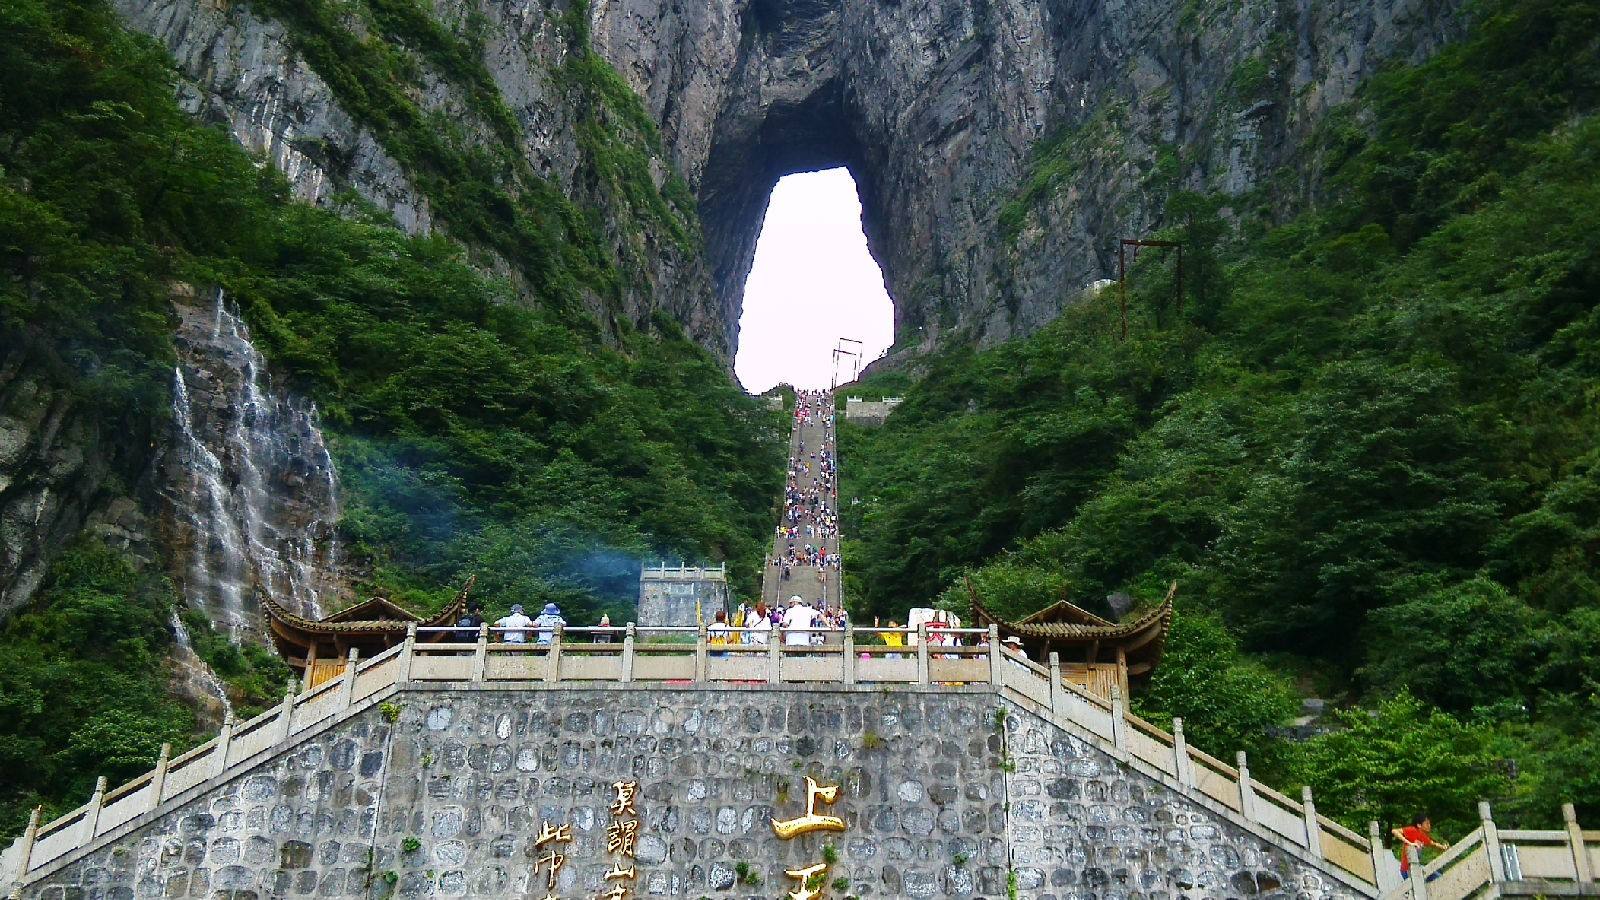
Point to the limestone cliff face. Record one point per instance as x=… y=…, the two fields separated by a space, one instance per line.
x=60 y=473
x=1001 y=148
x=939 y=107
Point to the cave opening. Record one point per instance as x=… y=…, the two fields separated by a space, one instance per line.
x=813 y=288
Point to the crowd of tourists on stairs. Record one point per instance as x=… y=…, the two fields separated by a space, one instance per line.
x=809 y=519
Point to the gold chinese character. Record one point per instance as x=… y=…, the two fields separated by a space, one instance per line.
x=810 y=879
x=616 y=893
x=558 y=833
x=811 y=821
x=617 y=871
x=620 y=836
x=556 y=861
x=624 y=802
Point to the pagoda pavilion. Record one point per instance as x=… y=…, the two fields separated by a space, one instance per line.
x=1096 y=653
x=317 y=649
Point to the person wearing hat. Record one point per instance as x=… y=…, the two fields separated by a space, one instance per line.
x=798 y=622
x=1014 y=644
x=514 y=623
x=547 y=623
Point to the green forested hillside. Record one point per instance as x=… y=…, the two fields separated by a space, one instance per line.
x=476 y=430
x=1367 y=445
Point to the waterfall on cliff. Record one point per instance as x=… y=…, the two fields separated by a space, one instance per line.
x=251 y=482
x=197 y=679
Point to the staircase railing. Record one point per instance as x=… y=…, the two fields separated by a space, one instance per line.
x=683 y=656
x=1517 y=861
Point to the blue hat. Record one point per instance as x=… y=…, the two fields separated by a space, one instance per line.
x=550 y=609
x=516 y=607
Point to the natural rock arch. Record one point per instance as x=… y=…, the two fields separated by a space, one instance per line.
x=937 y=106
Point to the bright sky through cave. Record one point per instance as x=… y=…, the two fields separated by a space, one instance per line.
x=812 y=282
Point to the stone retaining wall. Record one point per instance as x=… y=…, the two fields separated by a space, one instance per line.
x=942 y=795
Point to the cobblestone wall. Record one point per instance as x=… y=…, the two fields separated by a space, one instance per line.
x=941 y=796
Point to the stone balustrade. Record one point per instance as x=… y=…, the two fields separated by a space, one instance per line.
x=658 y=657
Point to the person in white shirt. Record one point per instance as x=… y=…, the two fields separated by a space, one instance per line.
x=798 y=622
x=548 y=621
x=718 y=632
x=515 y=621
x=759 y=625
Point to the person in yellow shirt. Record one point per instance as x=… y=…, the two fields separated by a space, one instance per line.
x=893 y=639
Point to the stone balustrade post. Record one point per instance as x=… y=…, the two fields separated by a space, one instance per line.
x=995 y=677
x=219 y=750
x=1491 y=844
x=1419 y=879
x=627 y=654
x=1582 y=871
x=1119 y=719
x=347 y=687
x=848 y=664
x=1247 y=790
x=158 y=780
x=1313 y=827
x=480 y=655
x=30 y=836
x=701 y=652
x=922 y=653
x=285 y=723
x=552 y=657
x=1182 y=763
x=1382 y=862
x=91 y=815
x=402 y=673
x=1057 y=701
x=774 y=656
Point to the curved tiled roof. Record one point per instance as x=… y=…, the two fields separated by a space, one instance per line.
x=1065 y=624
x=282 y=623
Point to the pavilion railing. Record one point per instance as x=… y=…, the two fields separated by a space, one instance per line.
x=685 y=656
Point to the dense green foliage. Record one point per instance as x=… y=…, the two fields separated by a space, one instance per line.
x=1367 y=443
x=83 y=688
x=254 y=676
x=477 y=429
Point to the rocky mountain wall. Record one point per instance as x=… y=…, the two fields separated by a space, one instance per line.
x=60 y=472
x=944 y=110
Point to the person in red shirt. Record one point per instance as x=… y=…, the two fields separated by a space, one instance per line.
x=1418 y=834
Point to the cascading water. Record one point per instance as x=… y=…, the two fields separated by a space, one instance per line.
x=251 y=483
x=198 y=681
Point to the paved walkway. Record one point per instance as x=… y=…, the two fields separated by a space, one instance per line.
x=811 y=457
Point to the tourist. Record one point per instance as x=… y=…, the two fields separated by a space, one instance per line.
x=603 y=637
x=758 y=624
x=717 y=633
x=467 y=626
x=1418 y=834
x=1014 y=644
x=548 y=622
x=798 y=623
x=893 y=638
x=513 y=625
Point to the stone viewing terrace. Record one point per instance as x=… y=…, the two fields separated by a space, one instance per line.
x=963 y=770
